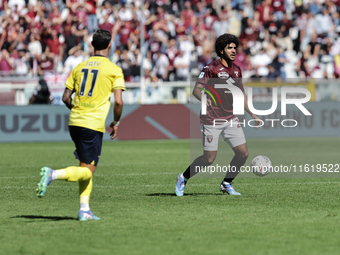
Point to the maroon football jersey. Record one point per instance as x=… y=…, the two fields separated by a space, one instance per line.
x=217 y=73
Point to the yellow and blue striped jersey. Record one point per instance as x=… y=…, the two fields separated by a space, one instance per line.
x=93 y=82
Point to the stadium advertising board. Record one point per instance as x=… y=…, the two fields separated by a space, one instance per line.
x=50 y=123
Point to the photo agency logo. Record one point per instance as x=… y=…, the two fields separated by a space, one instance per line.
x=238 y=103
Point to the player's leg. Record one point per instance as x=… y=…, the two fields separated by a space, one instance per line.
x=88 y=148
x=206 y=159
x=239 y=159
x=72 y=174
x=234 y=135
x=85 y=190
x=210 y=137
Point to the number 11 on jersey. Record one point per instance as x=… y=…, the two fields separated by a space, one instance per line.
x=84 y=81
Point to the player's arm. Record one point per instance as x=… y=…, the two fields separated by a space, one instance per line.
x=117 y=112
x=253 y=115
x=67 y=99
x=198 y=93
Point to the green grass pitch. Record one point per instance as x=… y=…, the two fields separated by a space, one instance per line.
x=133 y=193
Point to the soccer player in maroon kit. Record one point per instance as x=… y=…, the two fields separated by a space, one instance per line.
x=218 y=72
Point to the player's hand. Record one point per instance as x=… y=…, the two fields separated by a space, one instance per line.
x=257 y=121
x=113 y=134
x=209 y=103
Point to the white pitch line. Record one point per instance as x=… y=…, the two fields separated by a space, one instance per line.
x=162 y=185
x=128 y=174
x=100 y=164
x=166 y=173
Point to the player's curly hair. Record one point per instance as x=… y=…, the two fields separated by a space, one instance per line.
x=223 y=40
x=101 y=39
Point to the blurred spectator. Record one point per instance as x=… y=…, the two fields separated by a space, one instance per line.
x=302 y=68
x=188 y=15
x=47 y=30
x=16 y=5
x=41 y=94
x=309 y=23
x=171 y=52
x=201 y=10
x=282 y=60
x=272 y=25
x=326 y=63
x=186 y=45
x=45 y=63
x=107 y=25
x=125 y=13
x=54 y=48
x=180 y=26
x=67 y=26
x=263 y=11
x=3 y=7
x=326 y=44
x=55 y=18
x=19 y=43
x=182 y=63
x=135 y=68
x=315 y=7
x=161 y=67
x=325 y=26
x=125 y=30
x=92 y=21
x=256 y=77
x=125 y=63
x=279 y=8
x=243 y=61
x=262 y=60
x=21 y=63
x=72 y=40
x=273 y=74
x=248 y=9
x=220 y=26
x=5 y=63
x=314 y=46
x=76 y=56
x=249 y=32
x=34 y=47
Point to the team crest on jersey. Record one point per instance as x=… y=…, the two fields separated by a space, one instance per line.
x=201 y=75
x=236 y=73
x=223 y=75
x=209 y=138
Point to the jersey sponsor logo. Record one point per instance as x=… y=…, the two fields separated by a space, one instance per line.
x=87 y=105
x=236 y=73
x=223 y=75
x=201 y=75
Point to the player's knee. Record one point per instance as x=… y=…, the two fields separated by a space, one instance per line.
x=208 y=160
x=242 y=155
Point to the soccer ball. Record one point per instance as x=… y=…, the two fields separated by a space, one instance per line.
x=261 y=165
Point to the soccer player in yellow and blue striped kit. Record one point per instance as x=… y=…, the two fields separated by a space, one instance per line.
x=93 y=82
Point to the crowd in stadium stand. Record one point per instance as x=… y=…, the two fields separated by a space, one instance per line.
x=279 y=38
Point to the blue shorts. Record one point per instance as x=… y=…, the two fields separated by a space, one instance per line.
x=88 y=144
